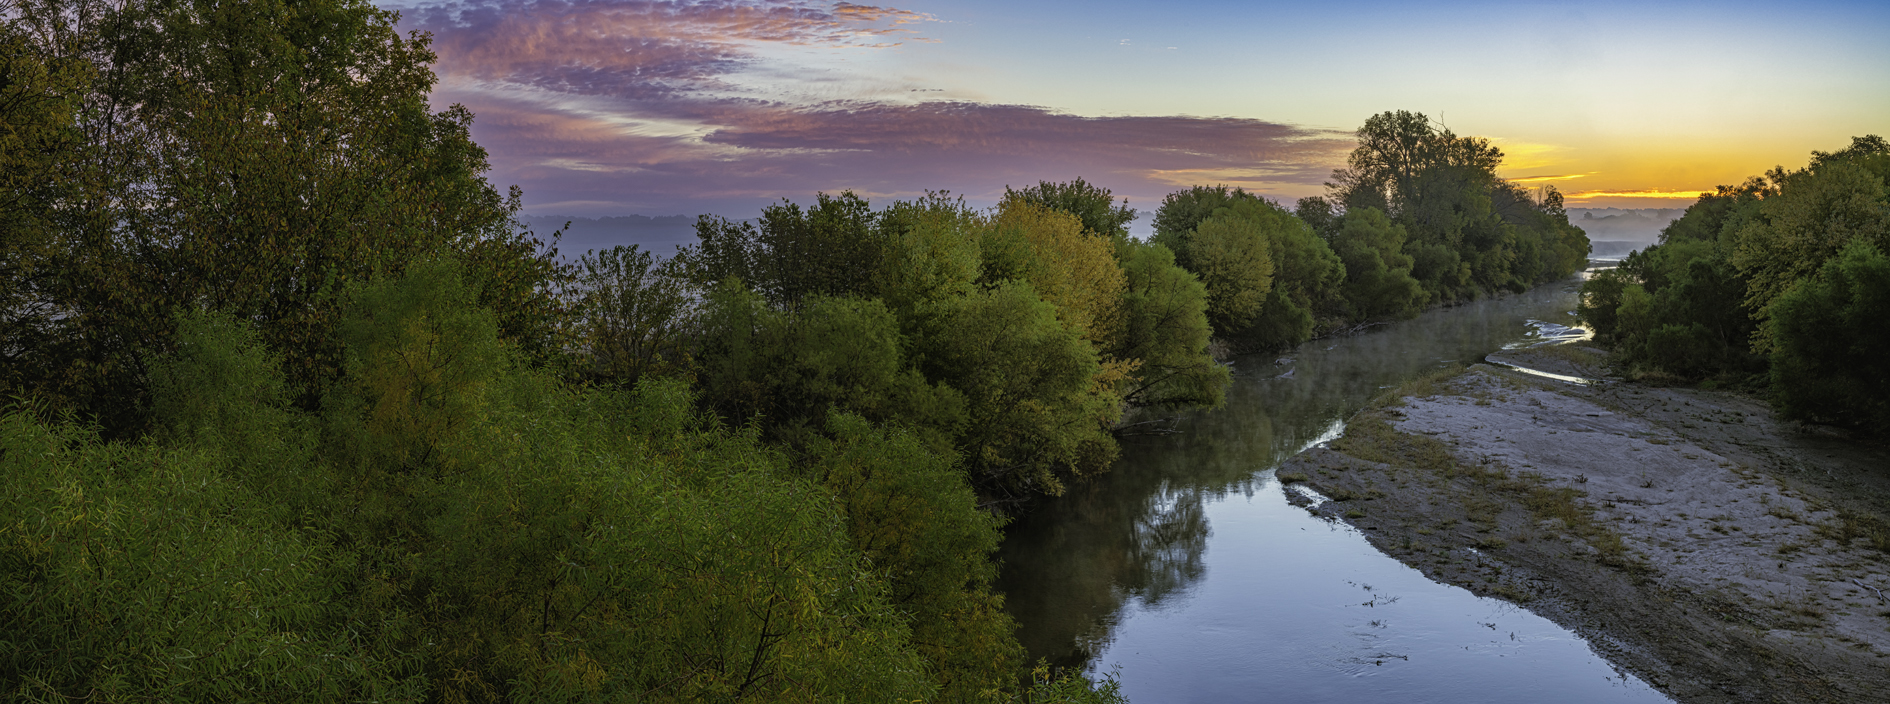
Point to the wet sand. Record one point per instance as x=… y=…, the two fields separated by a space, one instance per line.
x=1696 y=540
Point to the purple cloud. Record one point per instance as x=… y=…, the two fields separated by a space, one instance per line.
x=600 y=107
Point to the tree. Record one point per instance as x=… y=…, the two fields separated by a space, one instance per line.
x=636 y=313
x=1378 y=281
x=1166 y=330
x=1072 y=269
x=257 y=158
x=912 y=516
x=1037 y=411
x=40 y=90
x=1816 y=212
x=1231 y=256
x=1828 y=339
x=1466 y=229
x=1092 y=205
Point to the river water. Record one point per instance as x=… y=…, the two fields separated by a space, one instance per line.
x=1186 y=573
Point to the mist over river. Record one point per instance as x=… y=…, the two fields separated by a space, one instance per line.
x=1185 y=571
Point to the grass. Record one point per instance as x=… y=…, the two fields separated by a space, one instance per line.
x=1850 y=526
x=1426 y=385
x=1369 y=437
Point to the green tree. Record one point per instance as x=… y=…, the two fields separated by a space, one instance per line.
x=1166 y=331
x=786 y=369
x=911 y=514
x=1091 y=204
x=1378 y=280
x=39 y=100
x=1828 y=340
x=256 y=158
x=1230 y=254
x=1037 y=412
x=636 y=313
x=1467 y=230
x=1815 y=214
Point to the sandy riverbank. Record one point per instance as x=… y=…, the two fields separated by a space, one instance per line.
x=1716 y=552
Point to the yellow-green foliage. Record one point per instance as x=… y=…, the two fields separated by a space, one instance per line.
x=1073 y=270
x=1231 y=255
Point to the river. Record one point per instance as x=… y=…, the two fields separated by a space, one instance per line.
x=1186 y=573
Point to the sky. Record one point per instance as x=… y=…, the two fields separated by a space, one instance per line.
x=618 y=107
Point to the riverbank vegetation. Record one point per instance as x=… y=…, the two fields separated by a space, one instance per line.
x=1418 y=218
x=1778 y=283
x=296 y=410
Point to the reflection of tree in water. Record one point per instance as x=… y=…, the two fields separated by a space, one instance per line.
x=1167 y=542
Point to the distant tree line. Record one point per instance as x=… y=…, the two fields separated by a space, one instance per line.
x=298 y=411
x=1418 y=218
x=1780 y=283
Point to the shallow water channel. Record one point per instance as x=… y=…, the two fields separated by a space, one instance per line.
x=1185 y=571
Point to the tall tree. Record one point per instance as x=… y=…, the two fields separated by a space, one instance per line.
x=255 y=158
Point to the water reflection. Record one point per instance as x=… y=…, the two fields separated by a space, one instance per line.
x=1189 y=541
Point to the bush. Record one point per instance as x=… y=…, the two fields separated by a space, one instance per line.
x=1829 y=359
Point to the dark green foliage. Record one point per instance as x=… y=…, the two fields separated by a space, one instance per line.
x=1829 y=341
x=915 y=520
x=1468 y=231
x=550 y=544
x=1815 y=213
x=366 y=439
x=143 y=573
x=1673 y=309
x=636 y=314
x=787 y=368
x=1035 y=415
x=253 y=158
x=1786 y=269
x=1166 y=328
x=831 y=249
x=1378 y=280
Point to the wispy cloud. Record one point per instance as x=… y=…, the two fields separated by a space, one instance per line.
x=1646 y=193
x=1541 y=179
x=603 y=107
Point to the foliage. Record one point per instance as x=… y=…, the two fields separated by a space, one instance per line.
x=1468 y=231
x=1070 y=267
x=1166 y=329
x=1378 y=279
x=1804 y=244
x=1092 y=205
x=913 y=517
x=254 y=158
x=1037 y=408
x=1829 y=341
x=1818 y=210
x=1266 y=270
x=785 y=369
x=636 y=314
x=831 y=249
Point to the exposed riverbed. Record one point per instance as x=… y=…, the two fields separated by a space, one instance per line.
x=1719 y=553
x=1186 y=570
